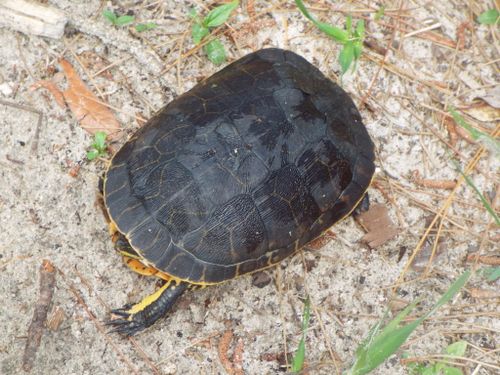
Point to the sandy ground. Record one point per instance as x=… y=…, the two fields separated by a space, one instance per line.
x=46 y=213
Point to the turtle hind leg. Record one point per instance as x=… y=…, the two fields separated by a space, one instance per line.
x=135 y=318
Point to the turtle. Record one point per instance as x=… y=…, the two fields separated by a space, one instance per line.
x=234 y=176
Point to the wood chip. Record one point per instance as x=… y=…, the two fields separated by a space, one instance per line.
x=35 y=331
x=56 y=318
x=32 y=18
x=378 y=226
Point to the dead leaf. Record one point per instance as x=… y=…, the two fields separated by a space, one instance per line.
x=482 y=112
x=378 y=226
x=492 y=96
x=90 y=111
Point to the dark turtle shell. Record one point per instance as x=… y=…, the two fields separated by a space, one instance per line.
x=241 y=171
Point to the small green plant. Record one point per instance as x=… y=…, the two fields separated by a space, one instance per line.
x=140 y=27
x=351 y=39
x=127 y=20
x=382 y=342
x=98 y=148
x=201 y=29
x=298 y=358
x=457 y=349
x=490 y=17
x=380 y=13
x=117 y=20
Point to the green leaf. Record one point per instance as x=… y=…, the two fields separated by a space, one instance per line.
x=192 y=13
x=346 y=56
x=334 y=32
x=357 y=49
x=140 y=27
x=198 y=32
x=92 y=154
x=124 y=20
x=220 y=14
x=298 y=358
x=447 y=370
x=99 y=141
x=348 y=25
x=360 y=30
x=380 y=13
x=215 y=52
x=457 y=349
x=489 y=17
x=110 y=16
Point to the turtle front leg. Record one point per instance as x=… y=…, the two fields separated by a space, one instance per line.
x=134 y=318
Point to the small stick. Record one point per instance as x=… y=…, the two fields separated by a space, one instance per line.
x=35 y=331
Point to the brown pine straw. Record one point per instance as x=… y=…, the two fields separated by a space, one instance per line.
x=441 y=213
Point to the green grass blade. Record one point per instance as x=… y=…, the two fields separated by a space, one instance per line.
x=332 y=31
x=375 y=351
x=140 y=27
x=124 y=20
x=487 y=140
x=299 y=357
x=346 y=56
x=483 y=200
x=492 y=274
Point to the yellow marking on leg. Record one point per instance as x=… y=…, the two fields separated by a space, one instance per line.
x=146 y=301
x=135 y=264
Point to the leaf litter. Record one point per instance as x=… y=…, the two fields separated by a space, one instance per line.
x=91 y=112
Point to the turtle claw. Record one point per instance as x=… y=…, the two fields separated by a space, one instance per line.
x=122 y=312
x=134 y=318
x=125 y=327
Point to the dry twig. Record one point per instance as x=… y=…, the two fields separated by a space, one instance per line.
x=35 y=331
